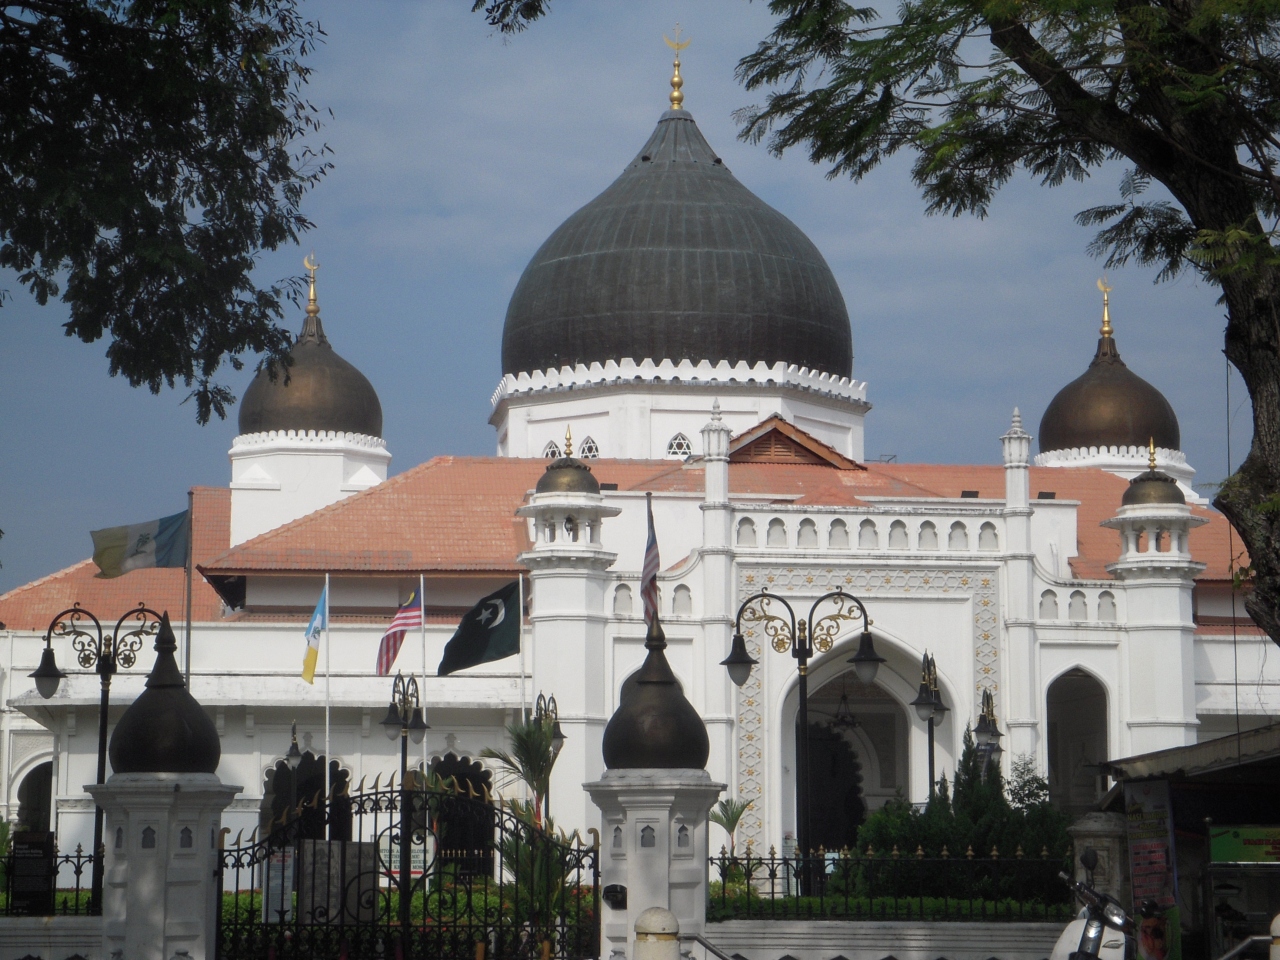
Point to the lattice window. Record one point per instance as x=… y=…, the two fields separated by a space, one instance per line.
x=551 y=451
x=588 y=449
x=679 y=446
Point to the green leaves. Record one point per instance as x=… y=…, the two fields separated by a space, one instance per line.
x=151 y=151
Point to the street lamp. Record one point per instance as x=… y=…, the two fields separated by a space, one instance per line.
x=544 y=709
x=801 y=639
x=987 y=732
x=293 y=758
x=929 y=708
x=405 y=720
x=105 y=653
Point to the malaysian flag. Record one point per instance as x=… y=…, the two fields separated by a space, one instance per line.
x=407 y=617
x=649 y=571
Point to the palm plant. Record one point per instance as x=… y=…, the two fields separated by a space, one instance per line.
x=727 y=813
x=530 y=759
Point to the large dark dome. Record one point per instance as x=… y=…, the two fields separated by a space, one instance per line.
x=324 y=392
x=1108 y=406
x=677 y=260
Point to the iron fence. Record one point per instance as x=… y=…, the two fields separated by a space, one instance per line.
x=888 y=886
x=408 y=873
x=45 y=886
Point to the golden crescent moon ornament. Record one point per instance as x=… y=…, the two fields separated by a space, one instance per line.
x=309 y=262
x=677 y=47
x=1103 y=285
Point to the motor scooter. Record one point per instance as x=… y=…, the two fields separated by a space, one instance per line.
x=1102 y=931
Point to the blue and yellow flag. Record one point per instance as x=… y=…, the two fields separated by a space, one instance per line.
x=319 y=622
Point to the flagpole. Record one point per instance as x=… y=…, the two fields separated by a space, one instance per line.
x=422 y=616
x=326 y=687
x=524 y=698
x=191 y=550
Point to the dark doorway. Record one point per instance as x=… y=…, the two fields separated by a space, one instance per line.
x=464 y=829
x=1077 y=716
x=836 y=807
x=35 y=795
x=278 y=795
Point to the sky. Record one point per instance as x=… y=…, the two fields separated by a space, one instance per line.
x=458 y=151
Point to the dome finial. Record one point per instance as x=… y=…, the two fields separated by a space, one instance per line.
x=311 y=328
x=568 y=441
x=676 y=98
x=1151 y=454
x=1105 y=287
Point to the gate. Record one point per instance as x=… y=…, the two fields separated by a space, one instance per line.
x=409 y=873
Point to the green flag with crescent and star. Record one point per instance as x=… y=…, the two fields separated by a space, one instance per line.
x=489 y=631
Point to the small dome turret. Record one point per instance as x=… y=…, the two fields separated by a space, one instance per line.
x=165 y=730
x=1108 y=405
x=323 y=392
x=1152 y=487
x=655 y=726
x=567 y=474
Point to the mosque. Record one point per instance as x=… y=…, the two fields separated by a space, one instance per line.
x=679 y=338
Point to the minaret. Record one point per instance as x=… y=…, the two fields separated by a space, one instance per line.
x=567 y=570
x=1158 y=575
x=717 y=589
x=1020 y=701
x=308 y=438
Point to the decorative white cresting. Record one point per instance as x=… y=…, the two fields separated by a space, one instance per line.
x=308 y=436
x=686 y=371
x=1127 y=462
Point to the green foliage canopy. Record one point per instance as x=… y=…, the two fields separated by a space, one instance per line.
x=150 y=151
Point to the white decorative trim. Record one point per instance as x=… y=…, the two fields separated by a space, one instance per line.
x=316 y=437
x=685 y=372
x=1060 y=458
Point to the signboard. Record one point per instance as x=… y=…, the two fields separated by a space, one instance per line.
x=1244 y=844
x=277 y=887
x=32 y=874
x=1150 y=823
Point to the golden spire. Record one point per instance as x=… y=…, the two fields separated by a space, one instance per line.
x=1151 y=454
x=1106 y=307
x=568 y=441
x=309 y=262
x=676 y=98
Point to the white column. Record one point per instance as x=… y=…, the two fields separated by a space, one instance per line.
x=653 y=835
x=718 y=594
x=161 y=836
x=1017 y=701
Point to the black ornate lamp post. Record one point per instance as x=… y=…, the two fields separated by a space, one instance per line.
x=802 y=639
x=987 y=733
x=930 y=708
x=545 y=709
x=293 y=758
x=105 y=652
x=405 y=720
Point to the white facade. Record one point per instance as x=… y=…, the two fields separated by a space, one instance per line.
x=651 y=411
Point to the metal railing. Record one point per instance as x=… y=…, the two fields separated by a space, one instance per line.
x=888 y=886
x=34 y=887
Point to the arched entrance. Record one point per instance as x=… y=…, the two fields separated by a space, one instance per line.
x=857 y=757
x=278 y=795
x=1076 y=708
x=464 y=829
x=35 y=795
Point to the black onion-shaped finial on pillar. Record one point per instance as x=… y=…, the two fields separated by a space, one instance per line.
x=655 y=726
x=165 y=730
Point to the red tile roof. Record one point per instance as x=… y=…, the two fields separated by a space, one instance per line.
x=448 y=514
x=457 y=514
x=33 y=605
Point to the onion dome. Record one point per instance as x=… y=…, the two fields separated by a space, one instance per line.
x=323 y=392
x=567 y=474
x=655 y=726
x=165 y=730
x=1109 y=405
x=1152 y=487
x=677 y=260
